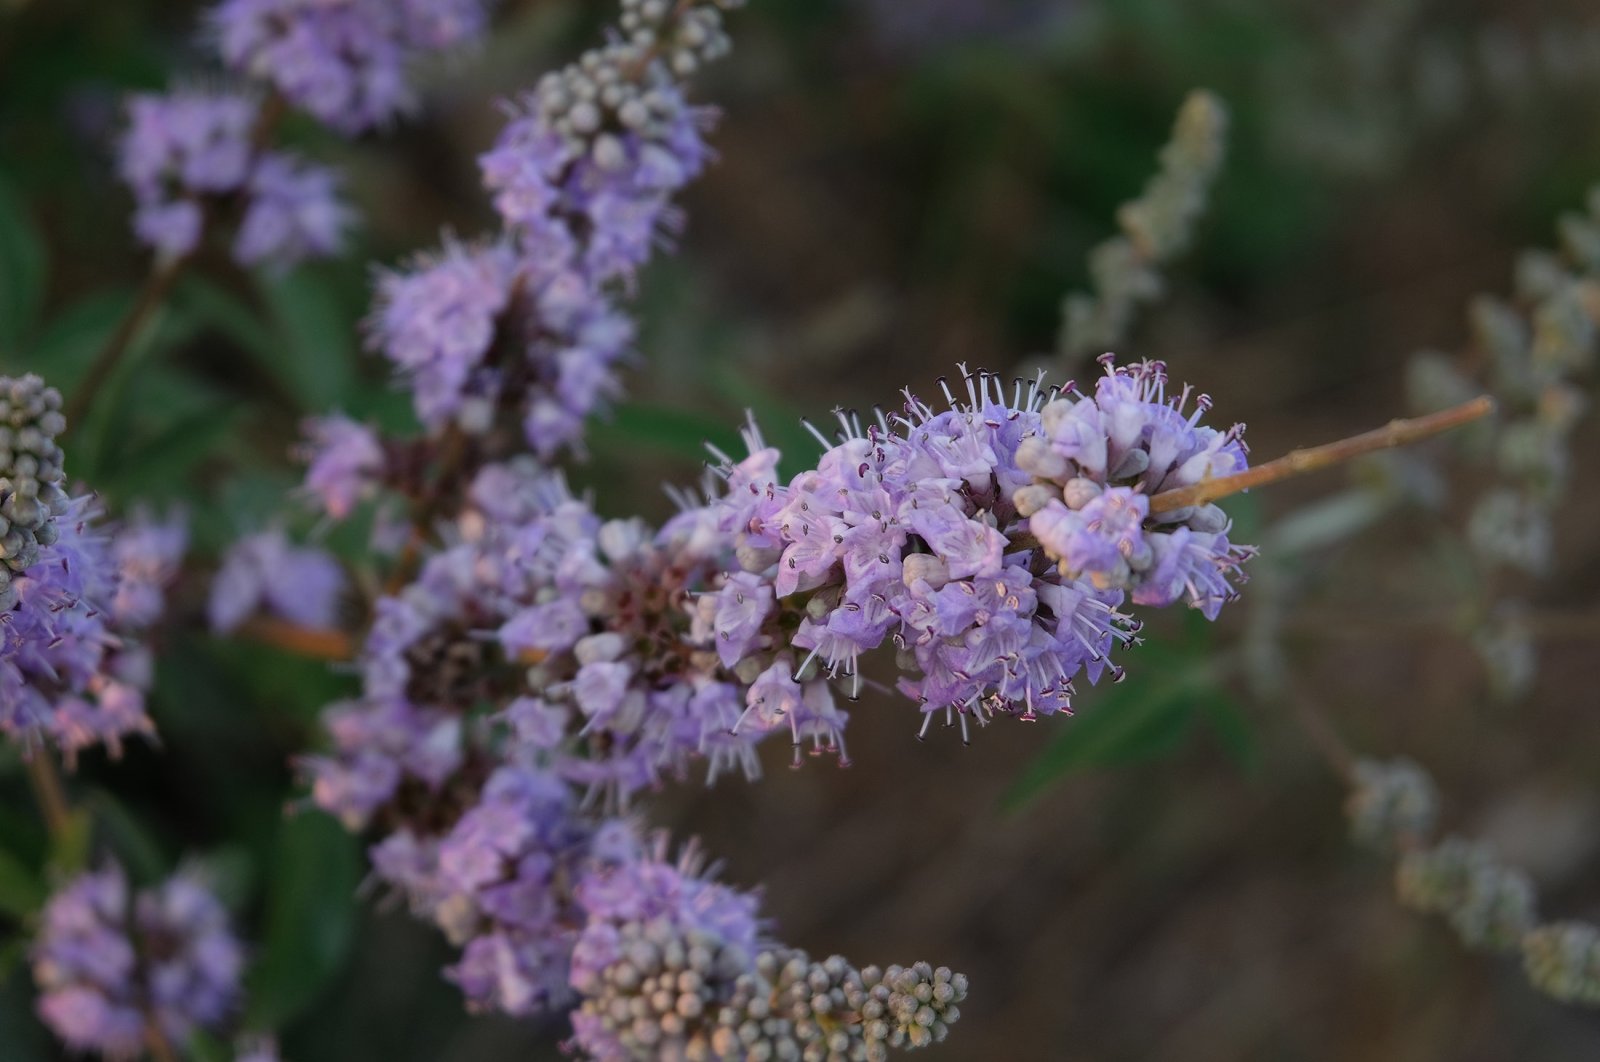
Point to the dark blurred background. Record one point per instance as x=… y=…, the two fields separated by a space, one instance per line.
x=904 y=185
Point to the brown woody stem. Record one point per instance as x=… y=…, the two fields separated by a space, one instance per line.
x=317 y=643
x=51 y=795
x=1298 y=462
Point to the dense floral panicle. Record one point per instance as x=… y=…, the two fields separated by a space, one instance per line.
x=1098 y=460
x=344 y=463
x=345 y=61
x=301 y=584
x=107 y=960
x=66 y=672
x=31 y=474
x=661 y=951
x=480 y=330
x=588 y=635
x=588 y=166
x=905 y=532
x=68 y=594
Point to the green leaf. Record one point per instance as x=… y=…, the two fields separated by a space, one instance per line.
x=156 y=467
x=128 y=837
x=21 y=890
x=216 y=307
x=673 y=431
x=311 y=914
x=314 y=356
x=204 y=1047
x=1233 y=731
x=23 y=269
x=1147 y=716
x=71 y=339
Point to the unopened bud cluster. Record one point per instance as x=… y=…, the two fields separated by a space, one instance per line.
x=30 y=473
x=612 y=84
x=1489 y=904
x=796 y=1008
x=1391 y=804
x=1536 y=351
x=1563 y=960
x=672 y=998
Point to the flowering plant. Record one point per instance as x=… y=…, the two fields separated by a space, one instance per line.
x=517 y=679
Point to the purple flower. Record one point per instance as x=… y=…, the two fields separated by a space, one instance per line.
x=738 y=612
x=188 y=149
x=376 y=748
x=436 y=320
x=105 y=958
x=148 y=553
x=294 y=213
x=1094 y=540
x=300 y=584
x=345 y=463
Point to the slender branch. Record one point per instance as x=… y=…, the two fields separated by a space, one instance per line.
x=1299 y=462
x=157 y=286
x=1319 y=728
x=314 y=642
x=49 y=791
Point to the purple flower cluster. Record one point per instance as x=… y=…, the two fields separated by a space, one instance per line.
x=190 y=151
x=345 y=61
x=107 y=962
x=485 y=333
x=577 y=183
x=915 y=530
x=72 y=595
x=70 y=668
x=494 y=882
x=300 y=584
x=586 y=637
x=1099 y=460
